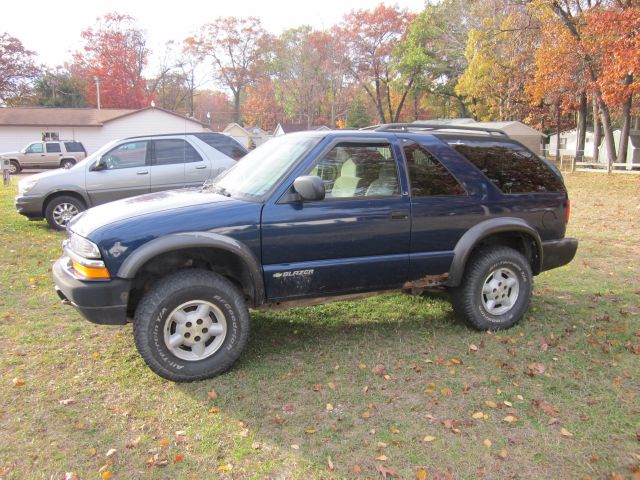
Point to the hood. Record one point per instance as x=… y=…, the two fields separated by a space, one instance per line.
x=10 y=154
x=151 y=203
x=48 y=174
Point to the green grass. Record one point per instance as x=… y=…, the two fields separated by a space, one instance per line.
x=586 y=314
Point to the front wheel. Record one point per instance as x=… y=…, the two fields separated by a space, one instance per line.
x=191 y=325
x=496 y=289
x=14 y=167
x=67 y=163
x=62 y=209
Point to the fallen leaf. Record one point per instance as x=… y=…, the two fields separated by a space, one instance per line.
x=227 y=467
x=67 y=476
x=357 y=469
x=362 y=366
x=382 y=458
x=366 y=414
x=565 y=433
x=535 y=369
x=394 y=430
x=317 y=387
x=428 y=438
x=502 y=454
x=212 y=394
x=478 y=415
x=179 y=457
x=487 y=443
x=553 y=421
x=256 y=446
x=135 y=442
x=546 y=408
x=378 y=370
x=446 y=391
x=106 y=475
x=491 y=404
x=311 y=430
x=331 y=385
x=164 y=442
x=473 y=348
x=454 y=361
x=510 y=419
x=295 y=446
x=111 y=452
x=508 y=404
x=18 y=382
x=422 y=474
x=387 y=472
x=330 y=464
x=329 y=407
x=67 y=401
x=288 y=407
x=213 y=410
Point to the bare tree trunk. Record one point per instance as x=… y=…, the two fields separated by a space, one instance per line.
x=582 y=127
x=610 y=145
x=626 y=124
x=597 y=130
x=558 y=132
x=236 y=106
x=636 y=122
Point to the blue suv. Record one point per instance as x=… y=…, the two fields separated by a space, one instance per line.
x=318 y=215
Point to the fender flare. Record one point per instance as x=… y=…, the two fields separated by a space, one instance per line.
x=482 y=230
x=179 y=241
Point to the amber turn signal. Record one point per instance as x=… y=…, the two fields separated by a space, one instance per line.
x=91 y=273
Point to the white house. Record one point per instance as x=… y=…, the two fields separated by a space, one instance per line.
x=529 y=137
x=249 y=137
x=92 y=127
x=569 y=140
x=284 y=128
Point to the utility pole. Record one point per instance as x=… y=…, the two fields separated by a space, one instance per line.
x=97 y=79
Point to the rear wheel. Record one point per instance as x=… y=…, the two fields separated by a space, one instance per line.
x=191 y=325
x=67 y=163
x=14 y=167
x=496 y=289
x=62 y=209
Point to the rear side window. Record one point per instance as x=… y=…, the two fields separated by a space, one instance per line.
x=511 y=168
x=53 y=148
x=224 y=144
x=427 y=175
x=74 y=147
x=174 y=150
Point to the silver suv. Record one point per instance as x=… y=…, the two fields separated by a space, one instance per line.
x=124 y=168
x=63 y=154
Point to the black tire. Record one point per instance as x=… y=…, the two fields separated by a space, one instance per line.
x=154 y=321
x=61 y=209
x=67 y=163
x=491 y=267
x=14 y=167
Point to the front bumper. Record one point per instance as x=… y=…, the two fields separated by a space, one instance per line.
x=556 y=253
x=101 y=302
x=30 y=206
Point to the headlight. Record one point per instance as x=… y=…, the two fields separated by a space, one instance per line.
x=25 y=185
x=83 y=247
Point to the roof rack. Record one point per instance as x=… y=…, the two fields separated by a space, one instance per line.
x=407 y=127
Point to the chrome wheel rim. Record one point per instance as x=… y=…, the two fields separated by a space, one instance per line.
x=13 y=169
x=500 y=291
x=195 y=330
x=64 y=212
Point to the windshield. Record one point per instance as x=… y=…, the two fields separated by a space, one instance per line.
x=260 y=170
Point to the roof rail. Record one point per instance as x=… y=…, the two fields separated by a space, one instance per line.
x=407 y=127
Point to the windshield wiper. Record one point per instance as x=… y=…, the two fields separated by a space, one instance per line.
x=221 y=190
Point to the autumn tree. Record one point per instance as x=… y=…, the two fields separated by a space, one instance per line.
x=260 y=107
x=17 y=68
x=59 y=88
x=371 y=37
x=115 y=53
x=235 y=46
x=213 y=107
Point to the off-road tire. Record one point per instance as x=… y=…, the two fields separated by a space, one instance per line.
x=470 y=303
x=14 y=167
x=52 y=211
x=67 y=163
x=152 y=317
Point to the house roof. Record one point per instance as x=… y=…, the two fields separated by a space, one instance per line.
x=507 y=126
x=70 y=117
x=251 y=131
x=291 y=128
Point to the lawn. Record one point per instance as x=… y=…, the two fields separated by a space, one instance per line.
x=391 y=385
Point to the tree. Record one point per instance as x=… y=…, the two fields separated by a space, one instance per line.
x=59 y=88
x=261 y=107
x=213 y=107
x=371 y=38
x=115 y=53
x=358 y=116
x=17 y=68
x=235 y=46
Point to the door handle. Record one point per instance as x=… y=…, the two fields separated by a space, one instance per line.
x=142 y=172
x=201 y=167
x=399 y=216
x=42 y=154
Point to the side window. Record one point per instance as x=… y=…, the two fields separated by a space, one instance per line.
x=53 y=148
x=358 y=170
x=171 y=151
x=73 y=146
x=127 y=155
x=35 y=148
x=427 y=175
x=509 y=167
x=224 y=144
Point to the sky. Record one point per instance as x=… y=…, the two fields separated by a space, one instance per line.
x=52 y=29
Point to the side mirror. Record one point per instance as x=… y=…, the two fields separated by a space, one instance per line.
x=99 y=165
x=310 y=188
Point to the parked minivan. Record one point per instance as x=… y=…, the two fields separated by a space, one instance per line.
x=125 y=168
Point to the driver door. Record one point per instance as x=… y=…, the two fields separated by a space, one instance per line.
x=33 y=155
x=120 y=173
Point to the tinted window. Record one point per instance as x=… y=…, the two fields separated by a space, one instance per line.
x=53 y=148
x=427 y=175
x=74 y=147
x=127 y=155
x=224 y=144
x=511 y=168
x=174 y=150
x=358 y=170
x=35 y=148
